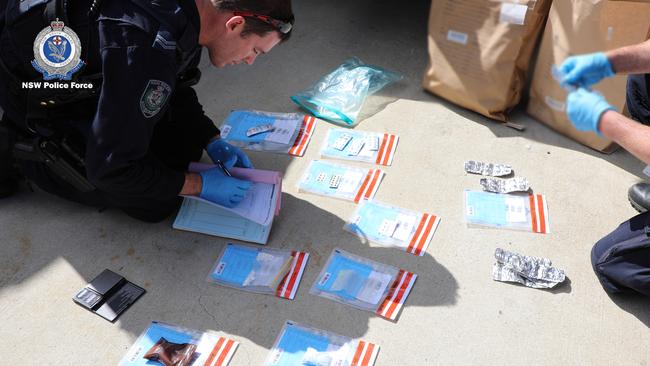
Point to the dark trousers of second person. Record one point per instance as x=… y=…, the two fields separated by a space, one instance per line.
x=174 y=143
x=621 y=259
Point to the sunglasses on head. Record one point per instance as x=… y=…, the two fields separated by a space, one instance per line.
x=282 y=27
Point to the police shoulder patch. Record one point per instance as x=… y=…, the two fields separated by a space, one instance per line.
x=154 y=97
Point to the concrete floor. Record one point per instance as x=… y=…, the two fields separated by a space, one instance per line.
x=455 y=315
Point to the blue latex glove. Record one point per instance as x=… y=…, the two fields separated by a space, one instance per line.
x=586 y=70
x=223 y=190
x=584 y=108
x=229 y=155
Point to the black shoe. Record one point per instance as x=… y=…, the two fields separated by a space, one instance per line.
x=639 y=196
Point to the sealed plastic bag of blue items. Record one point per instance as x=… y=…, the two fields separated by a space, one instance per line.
x=262 y=270
x=364 y=284
x=283 y=133
x=339 y=95
x=392 y=226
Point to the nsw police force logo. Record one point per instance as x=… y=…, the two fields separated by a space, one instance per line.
x=57 y=52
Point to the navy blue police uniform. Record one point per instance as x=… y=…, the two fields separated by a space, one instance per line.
x=144 y=125
x=637 y=97
x=621 y=259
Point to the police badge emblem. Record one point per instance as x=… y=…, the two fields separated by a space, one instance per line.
x=57 y=52
x=154 y=97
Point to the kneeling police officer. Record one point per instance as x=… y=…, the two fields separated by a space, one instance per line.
x=125 y=135
x=621 y=259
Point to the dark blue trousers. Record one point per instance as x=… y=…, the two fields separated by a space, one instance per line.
x=621 y=259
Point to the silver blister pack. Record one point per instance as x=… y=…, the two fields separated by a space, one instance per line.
x=504 y=273
x=531 y=271
x=256 y=130
x=496 y=185
x=494 y=170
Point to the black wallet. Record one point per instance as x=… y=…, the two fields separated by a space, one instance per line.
x=108 y=295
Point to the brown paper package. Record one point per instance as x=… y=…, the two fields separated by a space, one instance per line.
x=480 y=53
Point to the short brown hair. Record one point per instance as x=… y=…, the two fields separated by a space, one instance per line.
x=276 y=9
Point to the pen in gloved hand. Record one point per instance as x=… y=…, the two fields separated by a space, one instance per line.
x=223 y=167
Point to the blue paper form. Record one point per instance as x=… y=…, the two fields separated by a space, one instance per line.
x=235 y=265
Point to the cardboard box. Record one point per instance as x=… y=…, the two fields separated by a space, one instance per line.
x=480 y=51
x=576 y=27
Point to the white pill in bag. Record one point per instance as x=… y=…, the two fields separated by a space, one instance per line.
x=335 y=181
x=365 y=146
x=340 y=181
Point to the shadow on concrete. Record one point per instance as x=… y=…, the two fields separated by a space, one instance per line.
x=635 y=304
x=563 y=288
x=537 y=132
x=173 y=265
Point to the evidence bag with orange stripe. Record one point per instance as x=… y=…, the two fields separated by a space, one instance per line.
x=283 y=133
x=340 y=181
x=260 y=270
x=528 y=212
x=207 y=348
x=370 y=147
x=364 y=284
x=392 y=226
x=299 y=344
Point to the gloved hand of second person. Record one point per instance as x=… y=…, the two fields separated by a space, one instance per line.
x=221 y=189
x=586 y=70
x=585 y=107
x=229 y=155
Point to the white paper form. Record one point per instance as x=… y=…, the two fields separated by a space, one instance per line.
x=256 y=206
x=283 y=130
